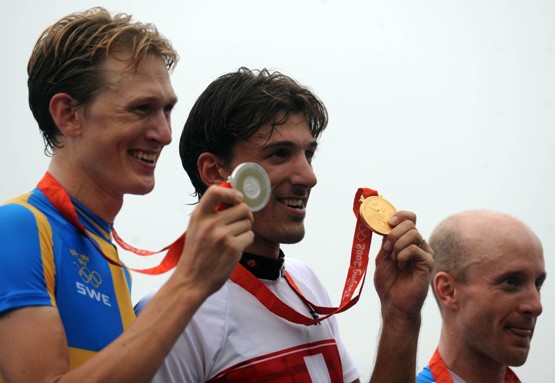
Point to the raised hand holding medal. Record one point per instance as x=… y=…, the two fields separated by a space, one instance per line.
x=405 y=260
x=376 y=211
x=249 y=178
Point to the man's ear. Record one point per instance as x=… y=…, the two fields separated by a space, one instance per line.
x=446 y=290
x=211 y=169
x=65 y=113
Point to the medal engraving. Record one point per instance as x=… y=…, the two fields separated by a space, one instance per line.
x=252 y=180
x=375 y=212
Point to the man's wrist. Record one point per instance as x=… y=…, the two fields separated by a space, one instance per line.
x=400 y=322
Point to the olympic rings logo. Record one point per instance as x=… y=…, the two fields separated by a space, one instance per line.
x=87 y=276
x=92 y=277
x=362 y=232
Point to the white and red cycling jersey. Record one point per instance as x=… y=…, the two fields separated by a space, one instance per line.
x=234 y=338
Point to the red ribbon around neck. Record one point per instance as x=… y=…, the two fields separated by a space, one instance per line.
x=355 y=275
x=61 y=201
x=441 y=373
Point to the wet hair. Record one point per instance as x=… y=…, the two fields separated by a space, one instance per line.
x=235 y=106
x=69 y=54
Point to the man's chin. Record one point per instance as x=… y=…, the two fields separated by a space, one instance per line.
x=518 y=358
x=142 y=188
x=292 y=238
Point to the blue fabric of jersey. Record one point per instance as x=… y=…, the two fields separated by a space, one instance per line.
x=45 y=261
x=425 y=376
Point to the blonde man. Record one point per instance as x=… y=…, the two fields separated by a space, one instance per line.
x=100 y=91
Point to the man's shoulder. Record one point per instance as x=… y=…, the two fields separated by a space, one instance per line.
x=28 y=206
x=17 y=207
x=19 y=217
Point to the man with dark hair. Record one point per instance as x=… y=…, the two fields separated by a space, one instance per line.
x=487 y=278
x=243 y=333
x=100 y=91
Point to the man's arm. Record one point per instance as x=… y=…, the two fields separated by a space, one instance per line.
x=34 y=346
x=403 y=268
x=396 y=358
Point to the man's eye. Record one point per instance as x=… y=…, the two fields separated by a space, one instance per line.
x=281 y=153
x=511 y=281
x=539 y=283
x=145 y=108
x=168 y=110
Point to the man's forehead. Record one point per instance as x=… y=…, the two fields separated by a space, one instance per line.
x=494 y=261
x=294 y=128
x=149 y=80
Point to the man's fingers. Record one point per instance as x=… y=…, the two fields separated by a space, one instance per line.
x=400 y=216
x=217 y=195
x=239 y=227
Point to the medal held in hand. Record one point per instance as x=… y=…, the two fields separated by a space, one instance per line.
x=252 y=180
x=375 y=212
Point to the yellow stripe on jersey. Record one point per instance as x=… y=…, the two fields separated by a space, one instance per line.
x=121 y=287
x=45 y=240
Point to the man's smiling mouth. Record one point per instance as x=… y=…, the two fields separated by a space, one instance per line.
x=294 y=203
x=143 y=156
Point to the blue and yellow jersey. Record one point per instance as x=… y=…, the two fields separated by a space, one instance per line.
x=44 y=261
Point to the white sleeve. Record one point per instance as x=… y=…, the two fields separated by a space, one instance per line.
x=190 y=360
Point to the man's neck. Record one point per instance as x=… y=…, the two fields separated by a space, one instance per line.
x=467 y=365
x=263 y=267
x=78 y=187
x=264 y=249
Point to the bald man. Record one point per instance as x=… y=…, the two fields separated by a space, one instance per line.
x=488 y=272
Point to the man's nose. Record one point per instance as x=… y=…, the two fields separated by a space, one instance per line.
x=303 y=173
x=160 y=129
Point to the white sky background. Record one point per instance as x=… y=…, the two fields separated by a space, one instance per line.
x=441 y=106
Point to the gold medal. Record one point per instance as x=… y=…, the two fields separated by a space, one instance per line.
x=375 y=212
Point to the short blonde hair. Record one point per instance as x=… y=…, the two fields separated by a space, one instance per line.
x=68 y=56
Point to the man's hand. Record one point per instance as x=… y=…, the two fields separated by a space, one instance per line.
x=215 y=239
x=403 y=267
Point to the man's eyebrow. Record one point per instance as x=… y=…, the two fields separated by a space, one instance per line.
x=518 y=273
x=147 y=99
x=285 y=143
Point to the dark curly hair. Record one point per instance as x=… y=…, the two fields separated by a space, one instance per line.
x=235 y=106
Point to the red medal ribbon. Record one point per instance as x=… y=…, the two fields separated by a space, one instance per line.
x=355 y=277
x=441 y=373
x=61 y=201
